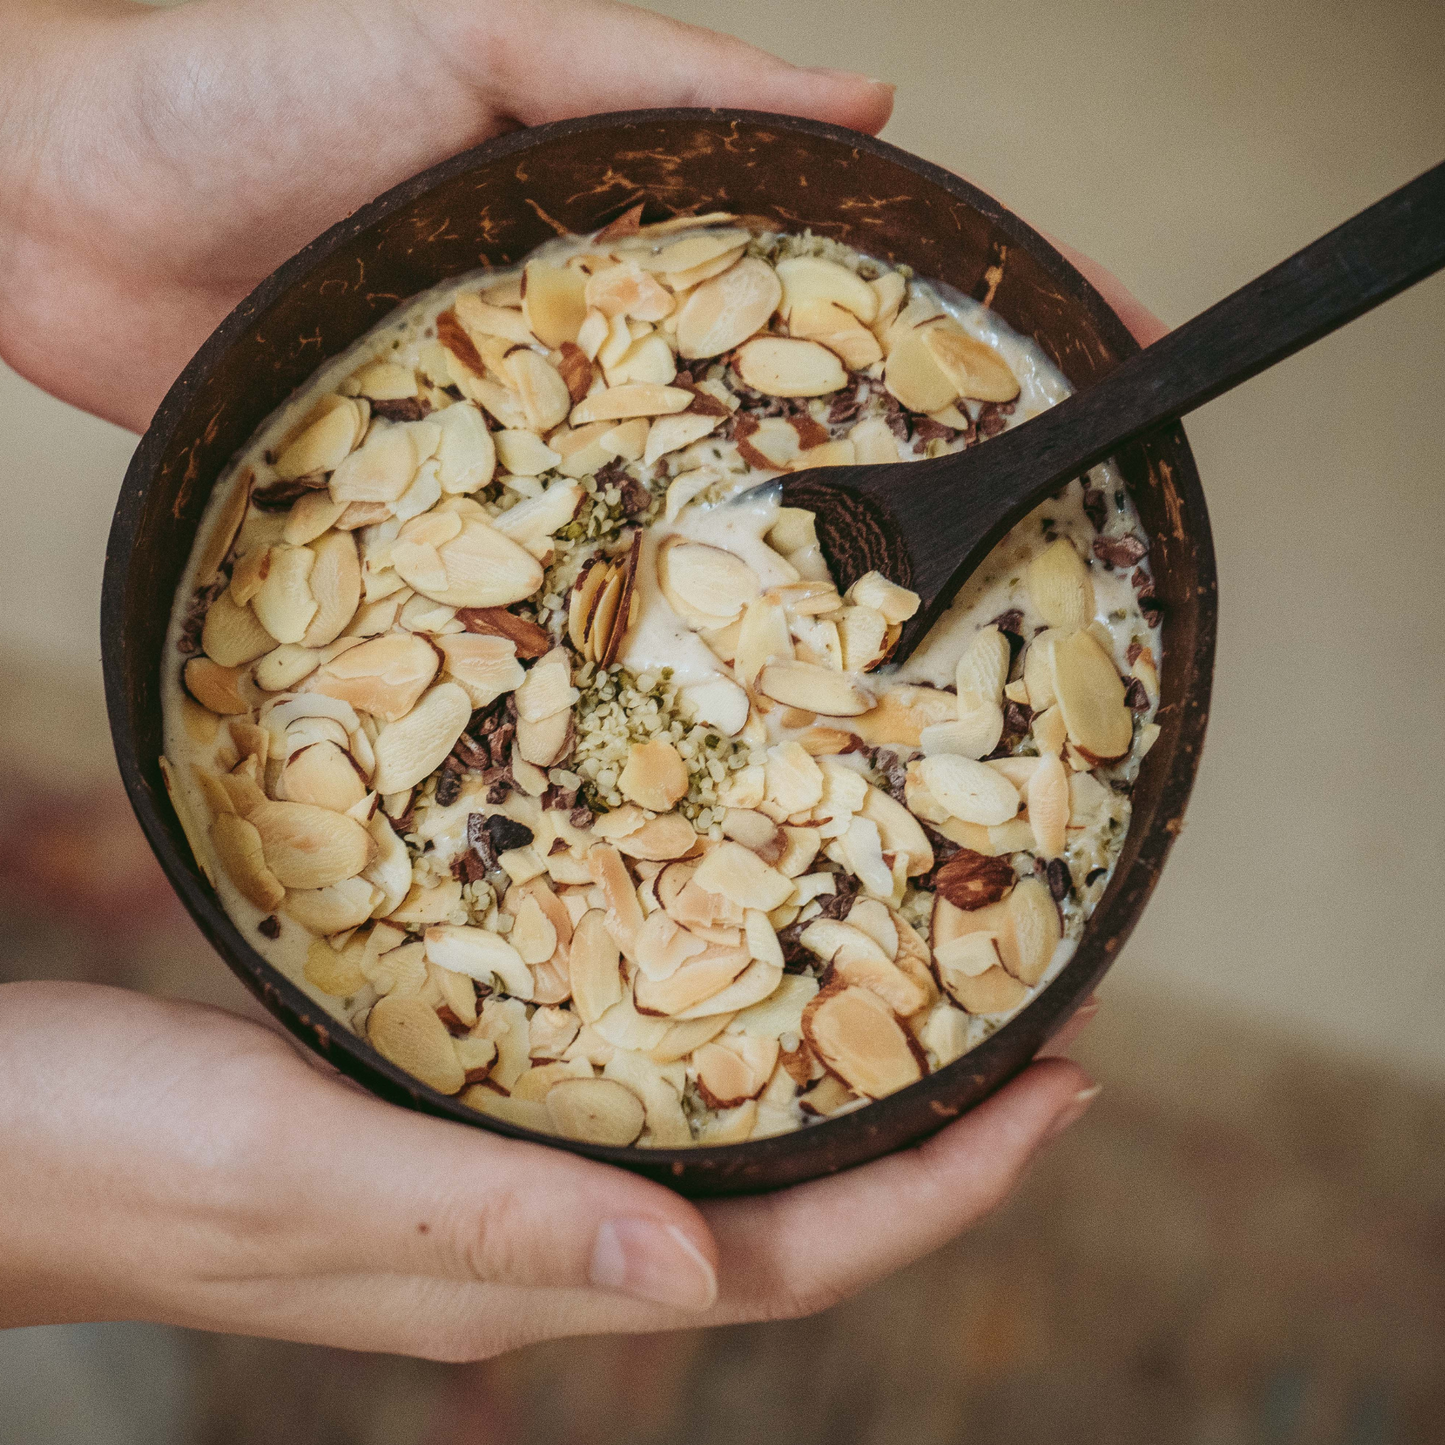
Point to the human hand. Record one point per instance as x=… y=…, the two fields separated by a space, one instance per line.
x=156 y=164
x=170 y=1162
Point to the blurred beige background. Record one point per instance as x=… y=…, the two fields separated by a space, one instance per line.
x=1242 y=1243
x=1187 y=147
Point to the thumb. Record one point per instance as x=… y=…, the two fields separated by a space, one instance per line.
x=436 y=1199
x=619 y=57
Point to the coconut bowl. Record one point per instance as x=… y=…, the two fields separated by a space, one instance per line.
x=491 y=206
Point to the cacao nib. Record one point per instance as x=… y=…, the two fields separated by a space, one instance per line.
x=1119 y=552
x=926 y=429
x=279 y=496
x=479 y=843
x=455 y=1027
x=580 y=817
x=838 y=903
x=1135 y=697
x=1060 y=883
x=1096 y=508
x=1134 y=652
x=845 y=407
x=796 y=958
x=1094 y=876
x=891 y=768
x=1017 y=718
x=271 y=927
x=405 y=408
x=449 y=785
x=563 y=799
x=506 y=833
x=994 y=418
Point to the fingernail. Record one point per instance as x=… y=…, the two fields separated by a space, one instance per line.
x=1074 y=1110
x=652 y=1261
x=849 y=75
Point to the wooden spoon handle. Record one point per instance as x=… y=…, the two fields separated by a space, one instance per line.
x=950 y=511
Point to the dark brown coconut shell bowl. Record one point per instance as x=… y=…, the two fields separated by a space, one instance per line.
x=491 y=206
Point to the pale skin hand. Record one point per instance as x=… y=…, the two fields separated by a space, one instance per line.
x=169 y=1162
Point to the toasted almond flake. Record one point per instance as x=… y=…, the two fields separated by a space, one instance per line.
x=671 y=433
x=321 y=774
x=648 y=360
x=334 y=909
x=408 y=1033
x=873 y=442
x=309 y=517
x=216 y=688
x=862 y=850
x=660 y=1089
x=975 y=733
x=480 y=954
x=480 y=567
x=661 y=839
x=655 y=776
x=1091 y=697
x=723 y=312
x=466 y=455
x=283 y=602
x=532 y=935
x=595 y=967
x=1034 y=931
x=994 y=991
x=550 y=1031
x=858 y=1038
x=324 y=443
x=983 y=669
x=334 y=583
x=814 y=689
x=682 y=281
x=1039 y=670
x=1060 y=586
x=708 y=581
x=683 y=1037
x=335 y=971
x=794 y=781
x=483 y=666
x=482 y=318
x=597 y=1111
x=811 y=279
x=974 y=367
x=238 y=848
x=546 y=397
x=856 y=346
x=663 y=947
x=757 y=982
x=764 y=637
x=248 y=573
x=913 y=374
x=310 y=847
x=1048 y=801
x=634 y=400
x=386 y=381
x=411 y=749
x=383 y=677
x=691 y=251
x=789 y=366
x=547 y=688
x=966 y=957
x=742 y=877
x=697 y=980
x=523 y=453
x=969 y=790
x=553 y=301
x=862 y=634
x=624 y=912
x=732 y=1069
x=757 y=832
x=627 y=290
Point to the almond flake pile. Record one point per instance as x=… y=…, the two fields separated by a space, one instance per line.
x=518 y=720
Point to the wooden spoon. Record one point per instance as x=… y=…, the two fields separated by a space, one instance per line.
x=929 y=524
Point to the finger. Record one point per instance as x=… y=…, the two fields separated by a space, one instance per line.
x=803 y=1249
x=616 y=57
x=1143 y=324
x=1058 y=1047
x=378 y=1188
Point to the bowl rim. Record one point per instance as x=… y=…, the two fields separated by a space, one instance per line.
x=329 y=1037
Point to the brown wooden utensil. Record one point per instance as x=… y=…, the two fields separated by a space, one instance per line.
x=928 y=525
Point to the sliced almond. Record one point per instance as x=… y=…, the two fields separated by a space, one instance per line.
x=692 y=251
x=974 y=733
x=857 y=1037
x=813 y=689
x=913 y=374
x=408 y=1033
x=546 y=742
x=480 y=954
x=411 y=749
x=216 y=688
x=239 y=848
x=284 y=603
x=764 y=637
x=335 y=970
x=483 y=666
x=382 y=469
x=1034 y=931
x=789 y=366
x=627 y=290
x=324 y=443
x=321 y=774
x=733 y=1069
x=663 y=838
x=532 y=935
x=709 y=583
x=683 y=1036
x=755 y=984
x=624 y=912
x=528 y=638
x=597 y=1111
x=856 y=346
x=1048 y=801
x=335 y=583
x=523 y=453
x=984 y=667
x=383 y=677
x=547 y=688
x=554 y=302
x=618 y=403
x=969 y=790
x=899 y=831
x=546 y=398
x=696 y=981
x=1060 y=585
x=873 y=442
x=808 y=279
x=994 y=991
x=647 y=360
x=671 y=433
x=974 y=367
x=655 y=776
x=663 y=947
x=483 y=318
x=332 y=910
x=480 y=567
x=232 y=636
x=723 y=312
x=466 y=454
x=757 y=832
x=682 y=281
x=742 y=877
x=1091 y=697
x=794 y=781
x=595 y=967
x=310 y=847
x=310 y=516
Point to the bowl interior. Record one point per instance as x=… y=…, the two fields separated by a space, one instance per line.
x=491 y=206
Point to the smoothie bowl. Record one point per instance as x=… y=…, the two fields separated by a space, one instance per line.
x=522 y=751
